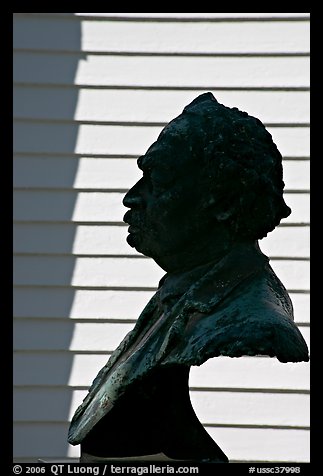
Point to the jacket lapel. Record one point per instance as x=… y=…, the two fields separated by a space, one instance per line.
x=203 y=296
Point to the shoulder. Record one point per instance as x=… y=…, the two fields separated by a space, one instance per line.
x=255 y=319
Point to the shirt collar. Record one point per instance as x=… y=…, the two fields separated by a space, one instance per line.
x=242 y=260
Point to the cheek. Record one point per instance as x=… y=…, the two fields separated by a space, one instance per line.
x=168 y=209
x=176 y=200
x=176 y=220
x=175 y=211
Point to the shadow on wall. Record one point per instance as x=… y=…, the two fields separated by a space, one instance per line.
x=45 y=100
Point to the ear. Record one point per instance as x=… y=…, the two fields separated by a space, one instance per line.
x=223 y=215
x=222 y=210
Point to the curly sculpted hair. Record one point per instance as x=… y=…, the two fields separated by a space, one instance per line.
x=241 y=164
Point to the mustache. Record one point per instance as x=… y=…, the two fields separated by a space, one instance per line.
x=132 y=218
x=126 y=216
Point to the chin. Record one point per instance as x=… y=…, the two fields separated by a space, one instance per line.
x=133 y=239
x=135 y=242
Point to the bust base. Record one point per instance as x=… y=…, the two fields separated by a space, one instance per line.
x=88 y=458
x=158 y=457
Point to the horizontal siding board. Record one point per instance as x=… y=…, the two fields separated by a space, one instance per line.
x=296 y=174
x=32 y=439
x=55 y=368
x=62 y=402
x=79 y=304
x=62 y=303
x=123 y=272
x=166 y=37
x=212 y=38
x=287 y=242
x=300 y=207
x=76 y=336
x=88 y=173
x=196 y=15
x=42 y=440
x=55 y=33
x=301 y=305
x=210 y=72
x=83 y=139
x=64 y=335
x=263 y=445
x=72 y=206
x=71 y=239
x=292 y=142
x=94 y=240
x=101 y=173
x=50 y=369
x=68 y=206
x=170 y=16
x=248 y=373
x=294 y=274
x=89 y=272
x=229 y=408
x=151 y=105
x=60 y=138
x=251 y=409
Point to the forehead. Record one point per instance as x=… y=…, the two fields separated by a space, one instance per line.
x=173 y=147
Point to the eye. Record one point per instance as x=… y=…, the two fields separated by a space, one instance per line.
x=147 y=179
x=154 y=185
x=159 y=186
x=162 y=179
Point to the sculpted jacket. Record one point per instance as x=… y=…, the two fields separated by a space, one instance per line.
x=236 y=306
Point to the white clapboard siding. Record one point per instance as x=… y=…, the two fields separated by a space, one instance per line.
x=243 y=374
x=114 y=105
x=82 y=173
x=294 y=274
x=60 y=138
x=231 y=408
x=205 y=16
x=65 y=335
x=51 y=302
x=53 y=238
x=89 y=272
x=300 y=206
x=166 y=37
x=177 y=16
x=250 y=372
x=68 y=205
x=123 y=272
x=35 y=334
x=213 y=408
x=63 y=303
x=92 y=91
x=161 y=71
x=287 y=242
x=263 y=444
x=296 y=174
x=112 y=173
x=239 y=443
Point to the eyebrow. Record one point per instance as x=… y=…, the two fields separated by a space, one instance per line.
x=139 y=162
x=142 y=163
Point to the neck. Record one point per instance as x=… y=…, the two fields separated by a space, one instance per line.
x=212 y=248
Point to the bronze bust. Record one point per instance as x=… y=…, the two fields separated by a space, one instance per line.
x=211 y=188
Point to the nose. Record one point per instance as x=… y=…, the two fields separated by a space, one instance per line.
x=134 y=198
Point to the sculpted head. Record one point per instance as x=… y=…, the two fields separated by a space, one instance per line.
x=212 y=178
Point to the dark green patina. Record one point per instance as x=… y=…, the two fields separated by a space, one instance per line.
x=211 y=188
